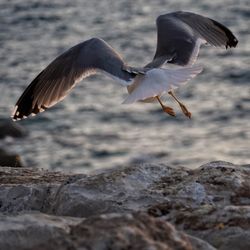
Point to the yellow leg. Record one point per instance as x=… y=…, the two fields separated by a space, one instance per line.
x=166 y=109
x=183 y=107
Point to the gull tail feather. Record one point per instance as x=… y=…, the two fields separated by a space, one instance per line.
x=159 y=81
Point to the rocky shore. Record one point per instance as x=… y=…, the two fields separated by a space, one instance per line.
x=134 y=207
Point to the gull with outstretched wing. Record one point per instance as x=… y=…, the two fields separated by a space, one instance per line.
x=180 y=35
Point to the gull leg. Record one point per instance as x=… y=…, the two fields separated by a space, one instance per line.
x=183 y=107
x=166 y=109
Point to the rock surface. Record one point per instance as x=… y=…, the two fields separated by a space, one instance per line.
x=111 y=231
x=34 y=231
x=211 y=203
x=25 y=189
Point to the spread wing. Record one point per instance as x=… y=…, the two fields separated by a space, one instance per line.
x=180 y=34
x=61 y=75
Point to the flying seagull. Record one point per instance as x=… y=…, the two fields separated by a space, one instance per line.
x=179 y=37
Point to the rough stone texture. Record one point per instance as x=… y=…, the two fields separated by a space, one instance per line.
x=114 y=190
x=34 y=231
x=128 y=231
x=210 y=203
x=113 y=231
x=24 y=189
x=199 y=244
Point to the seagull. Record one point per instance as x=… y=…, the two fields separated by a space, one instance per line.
x=179 y=37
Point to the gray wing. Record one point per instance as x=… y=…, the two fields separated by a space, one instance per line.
x=180 y=35
x=61 y=75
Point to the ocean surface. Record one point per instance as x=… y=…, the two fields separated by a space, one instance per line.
x=91 y=129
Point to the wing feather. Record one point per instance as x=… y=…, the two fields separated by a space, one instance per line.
x=178 y=33
x=212 y=31
x=61 y=75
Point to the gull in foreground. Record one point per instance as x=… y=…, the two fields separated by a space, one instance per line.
x=180 y=35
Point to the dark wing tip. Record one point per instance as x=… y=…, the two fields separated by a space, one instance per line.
x=23 y=110
x=232 y=40
x=25 y=106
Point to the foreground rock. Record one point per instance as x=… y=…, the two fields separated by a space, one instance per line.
x=34 y=231
x=112 y=231
x=211 y=202
x=25 y=189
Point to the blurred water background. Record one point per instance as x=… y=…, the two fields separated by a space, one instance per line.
x=90 y=129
